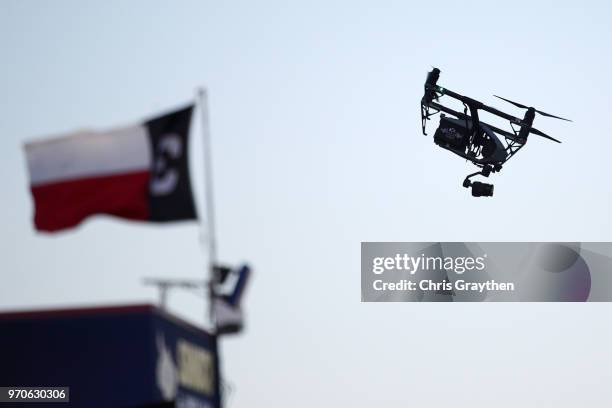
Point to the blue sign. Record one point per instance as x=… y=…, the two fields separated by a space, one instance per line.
x=133 y=356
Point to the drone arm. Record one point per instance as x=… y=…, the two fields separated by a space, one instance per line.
x=479 y=105
x=432 y=89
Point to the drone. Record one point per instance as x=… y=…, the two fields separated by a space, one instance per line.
x=464 y=134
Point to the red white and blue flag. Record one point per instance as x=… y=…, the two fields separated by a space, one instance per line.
x=135 y=172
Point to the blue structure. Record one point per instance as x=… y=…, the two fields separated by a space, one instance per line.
x=122 y=356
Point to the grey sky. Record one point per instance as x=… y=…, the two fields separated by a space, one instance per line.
x=317 y=147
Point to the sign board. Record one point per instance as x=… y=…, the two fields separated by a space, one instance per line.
x=126 y=356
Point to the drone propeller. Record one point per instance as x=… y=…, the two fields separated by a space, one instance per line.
x=527 y=107
x=540 y=133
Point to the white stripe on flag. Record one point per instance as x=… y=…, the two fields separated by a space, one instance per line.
x=89 y=154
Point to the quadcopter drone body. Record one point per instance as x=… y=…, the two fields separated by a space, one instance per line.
x=464 y=134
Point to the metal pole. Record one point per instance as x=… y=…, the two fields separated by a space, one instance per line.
x=210 y=221
x=208 y=197
x=163 y=296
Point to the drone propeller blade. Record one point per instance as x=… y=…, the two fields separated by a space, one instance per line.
x=514 y=103
x=552 y=116
x=539 y=133
x=527 y=107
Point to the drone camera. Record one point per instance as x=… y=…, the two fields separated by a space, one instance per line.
x=482 y=189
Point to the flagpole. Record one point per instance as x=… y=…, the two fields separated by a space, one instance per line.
x=208 y=199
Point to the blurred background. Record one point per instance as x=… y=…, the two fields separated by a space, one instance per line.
x=317 y=146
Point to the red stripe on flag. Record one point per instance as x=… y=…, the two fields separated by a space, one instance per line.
x=65 y=204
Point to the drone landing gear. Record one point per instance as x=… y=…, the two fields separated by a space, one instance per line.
x=480 y=189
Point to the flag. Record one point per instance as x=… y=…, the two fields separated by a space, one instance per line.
x=135 y=172
x=226 y=307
